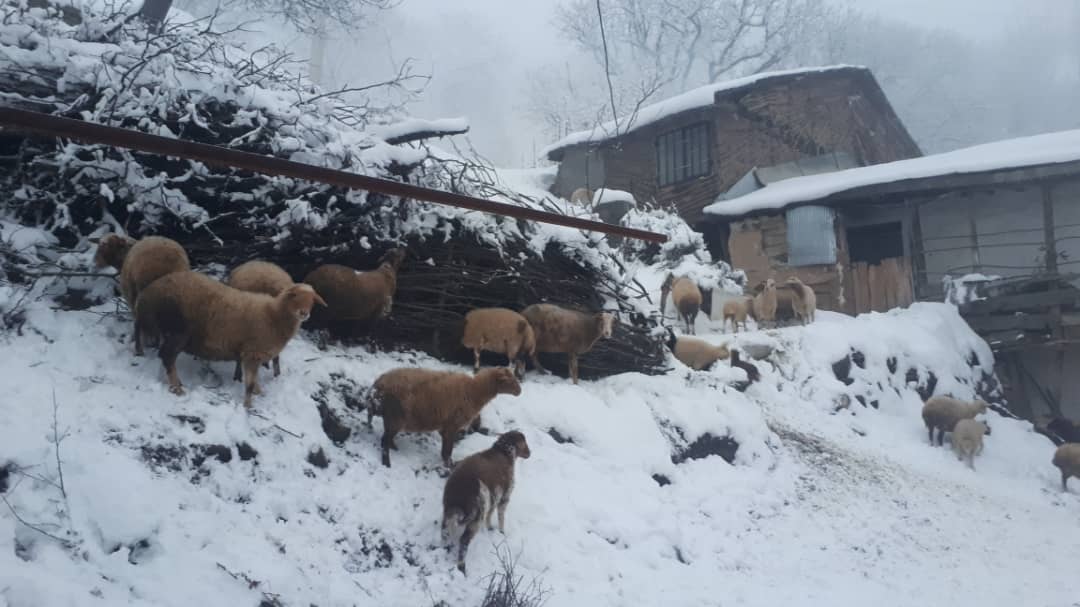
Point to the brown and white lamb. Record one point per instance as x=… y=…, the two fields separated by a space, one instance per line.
x=480 y=485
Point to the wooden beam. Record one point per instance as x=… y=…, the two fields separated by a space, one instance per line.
x=38 y=123
x=1020 y=322
x=1025 y=301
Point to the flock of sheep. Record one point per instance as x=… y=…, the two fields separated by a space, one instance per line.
x=251 y=317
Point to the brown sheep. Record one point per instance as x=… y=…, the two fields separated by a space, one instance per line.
x=687 y=297
x=196 y=314
x=695 y=353
x=765 y=304
x=140 y=263
x=355 y=299
x=804 y=301
x=499 y=330
x=259 y=277
x=478 y=486
x=943 y=412
x=1067 y=459
x=737 y=309
x=425 y=400
x=561 y=330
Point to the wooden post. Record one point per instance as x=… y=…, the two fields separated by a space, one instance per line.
x=918 y=253
x=975 y=262
x=1049 y=239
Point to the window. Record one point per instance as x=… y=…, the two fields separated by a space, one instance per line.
x=871 y=244
x=811 y=237
x=683 y=154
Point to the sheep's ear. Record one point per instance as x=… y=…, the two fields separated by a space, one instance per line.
x=318 y=299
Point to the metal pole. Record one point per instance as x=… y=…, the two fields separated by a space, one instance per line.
x=38 y=123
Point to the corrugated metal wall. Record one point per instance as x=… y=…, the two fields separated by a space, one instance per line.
x=811 y=236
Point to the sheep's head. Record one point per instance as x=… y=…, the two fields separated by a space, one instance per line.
x=111 y=251
x=299 y=299
x=506 y=382
x=514 y=444
x=793 y=282
x=980 y=406
x=606 y=322
x=394 y=257
x=770 y=285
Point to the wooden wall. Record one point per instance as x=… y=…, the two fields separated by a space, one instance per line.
x=765 y=124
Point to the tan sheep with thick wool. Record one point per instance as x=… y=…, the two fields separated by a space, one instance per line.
x=355 y=299
x=942 y=413
x=259 y=277
x=737 y=309
x=560 y=330
x=967 y=439
x=499 y=330
x=804 y=301
x=196 y=314
x=695 y=353
x=687 y=298
x=1067 y=459
x=426 y=400
x=765 y=304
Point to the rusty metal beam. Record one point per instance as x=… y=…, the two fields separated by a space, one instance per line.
x=12 y=119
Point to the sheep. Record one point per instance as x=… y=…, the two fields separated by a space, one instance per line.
x=140 y=262
x=196 y=314
x=499 y=330
x=1067 y=459
x=695 y=353
x=967 y=439
x=259 y=277
x=561 y=330
x=804 y=301
x=737 y=309
x=478 y=486
x=943 y=412
x=687 y=298
x=765 y=304
x=426 y=400
x=355 y=298
x=582 y=196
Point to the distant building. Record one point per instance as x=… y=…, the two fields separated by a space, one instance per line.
x=689 y=149
x=1005 y=215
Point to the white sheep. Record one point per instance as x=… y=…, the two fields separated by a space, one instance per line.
x=967 y=439
x=942 y=413
x=804 y=301
x=765 y=304
x=738 y=309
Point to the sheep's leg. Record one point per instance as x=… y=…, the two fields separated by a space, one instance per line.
x=536 y=363
x=493 y=500
x=171 y=347
x=475 y=425
x=1064 y=481
x=476 y=359
x=503 y=503
x=390 y=428
x=930 y=431
x=941 y=437
x=251 y=380
x=466 y=537
x=448 y=447
x=971 y=459
x=573 y=368
x=277 y=366
x=237 y=376
x=136 y=336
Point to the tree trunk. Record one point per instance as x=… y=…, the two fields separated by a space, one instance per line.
x=154 y=11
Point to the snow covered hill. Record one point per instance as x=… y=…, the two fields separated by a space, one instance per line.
x=168 y=500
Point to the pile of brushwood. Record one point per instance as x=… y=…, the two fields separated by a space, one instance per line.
x=189 y=80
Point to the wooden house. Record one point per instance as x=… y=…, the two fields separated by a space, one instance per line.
x=1005 y=214
x=689 y=149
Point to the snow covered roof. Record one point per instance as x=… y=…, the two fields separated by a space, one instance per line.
x=607 y=196
x=692 y=99
x=1023 y=152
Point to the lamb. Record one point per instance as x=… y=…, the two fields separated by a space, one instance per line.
x=477 y=487
x=967 y=439
x=943 y=412
x=738 y=309
x=561 y=330
x=196 y=314
x=259 y=277
x=765 y=304
x=426 y=400
x=804 y=301
x=582 y=196
x=140 y=263
x=687 y=298
x=695 y=353
x=1067 y=459
x=355 y=299
x=499 y=330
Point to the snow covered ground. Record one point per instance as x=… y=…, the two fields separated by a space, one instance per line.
x=828 y=502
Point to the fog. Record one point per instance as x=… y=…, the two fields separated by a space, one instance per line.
x=958 y=72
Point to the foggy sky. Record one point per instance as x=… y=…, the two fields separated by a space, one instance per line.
x=480 y=51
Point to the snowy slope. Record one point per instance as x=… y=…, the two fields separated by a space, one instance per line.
x=824 y=505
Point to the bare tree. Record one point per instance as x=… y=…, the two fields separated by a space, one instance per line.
x=311 y=16
x=691 y=41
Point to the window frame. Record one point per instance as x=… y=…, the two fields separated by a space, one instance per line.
x=683 y=154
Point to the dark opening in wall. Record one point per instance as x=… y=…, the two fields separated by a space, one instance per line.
x=871 y=244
